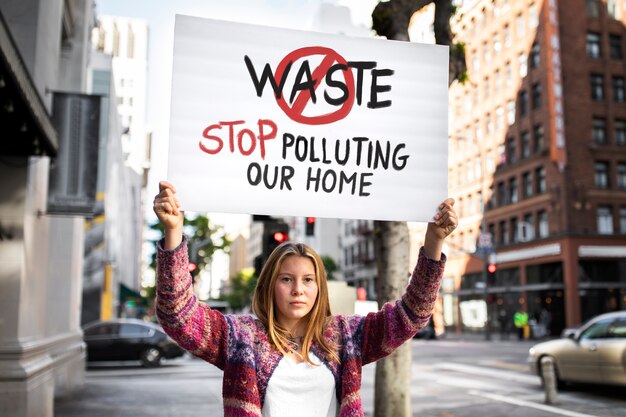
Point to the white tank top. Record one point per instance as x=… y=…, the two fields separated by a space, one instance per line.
x=302 y=390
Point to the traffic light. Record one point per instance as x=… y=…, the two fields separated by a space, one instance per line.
x=274 y=233
x=491 y=274
x=310 y=226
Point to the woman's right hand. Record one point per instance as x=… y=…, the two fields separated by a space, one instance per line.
x=166 y=207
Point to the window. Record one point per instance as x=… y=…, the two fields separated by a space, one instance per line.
x=527 y=185
x=502 y=200
x=497 y=44
x=535 y=57
x=508 y=73
x=521 y=25
x=533 y=18
x=511 y=150
x=615 y=46
x=510 y=109
x=621 y=175
x=490 y=165
x=478 y=131
x=598 y=330
x=612 y=9
x=593 y=8
x=540 y=179
x=523 y=65
x=487 y=87
x=507 y=36
x=499 y=117
x=525 y=144
x=134 y=330
x=620 y=132
x=598 y=131
x=489 y=124
x=523 y=103
x=513 y=197
x=543 y=224
x=593 y=45
x=497 y=82
x=597 y=87
x=539 y=139
x=618 y=89
x=601 y=174
x=536 y=96
x=475 y=60
x=528 y=230
x=486 y=55
x=504 y=233
x=622 y=220
x=478 y=167
x=604 y=219
x=514 y=230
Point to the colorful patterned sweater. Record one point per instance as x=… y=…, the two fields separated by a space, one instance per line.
x=238 y=344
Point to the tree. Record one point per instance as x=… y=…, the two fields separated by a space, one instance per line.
x=392 y=394
x=242 y=287
x=331 y=266
x=205 y=239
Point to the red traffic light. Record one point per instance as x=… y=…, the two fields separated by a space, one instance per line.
x=281 y=237
x=491 y=268
x=192 y=267
x=310 y=220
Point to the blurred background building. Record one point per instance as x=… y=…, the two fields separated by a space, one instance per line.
x=71 y=206
x=538 y=147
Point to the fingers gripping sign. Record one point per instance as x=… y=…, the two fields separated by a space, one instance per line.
x=166 y=207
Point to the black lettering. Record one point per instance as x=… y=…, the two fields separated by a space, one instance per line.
x=338 y=84
x=329 y=173
x=267 y=74
x=266 y=174
x=359 y=140
x=324 y=160
x=257 y=172
x=402 y=158
x=286 y=174
x=375 y=89
x=346 y=155
x=360 y=66
x=313 y=158
x=364 y=184
x=315 y=179
x=288 y=140
x=301 y=154
x=309 y=84
x=344 y=179
x=382 y=156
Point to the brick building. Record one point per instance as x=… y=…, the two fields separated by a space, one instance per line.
x=538 y=144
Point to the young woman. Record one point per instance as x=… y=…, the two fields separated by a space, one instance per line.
x=294 y=357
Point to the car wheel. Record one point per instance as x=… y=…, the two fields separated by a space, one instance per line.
x=560 y=384
x=151 y=357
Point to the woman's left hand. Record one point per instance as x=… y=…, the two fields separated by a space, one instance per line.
x=445 y=222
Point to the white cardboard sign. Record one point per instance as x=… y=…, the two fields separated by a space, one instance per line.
x=284 y=122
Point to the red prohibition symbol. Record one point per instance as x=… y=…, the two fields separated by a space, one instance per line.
x=330 y=57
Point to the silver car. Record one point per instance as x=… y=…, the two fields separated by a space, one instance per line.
x=594 y=353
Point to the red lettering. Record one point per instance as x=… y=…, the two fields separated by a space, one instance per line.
x=205 y=134
x=240 y=136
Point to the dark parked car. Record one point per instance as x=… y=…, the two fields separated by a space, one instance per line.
x=129 y=340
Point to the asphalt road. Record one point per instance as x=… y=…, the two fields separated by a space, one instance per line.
x=450 y=378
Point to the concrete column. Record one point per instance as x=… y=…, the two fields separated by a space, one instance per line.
x=570 y=280
x=26 y=384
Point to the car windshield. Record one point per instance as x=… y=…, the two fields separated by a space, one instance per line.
x=598 y=330
x=134 y=330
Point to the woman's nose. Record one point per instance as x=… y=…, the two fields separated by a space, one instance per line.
x=297 y=288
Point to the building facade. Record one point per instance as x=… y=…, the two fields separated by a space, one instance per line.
x=43 y=49
x=537 y=164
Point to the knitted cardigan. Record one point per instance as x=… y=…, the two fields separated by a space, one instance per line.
x=238 y=344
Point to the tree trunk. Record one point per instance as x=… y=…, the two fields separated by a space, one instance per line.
x=393 y=374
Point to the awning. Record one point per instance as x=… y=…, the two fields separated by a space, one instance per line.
x=26 y=125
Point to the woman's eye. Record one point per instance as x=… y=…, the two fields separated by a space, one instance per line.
x=285 y=279
x=309 y=280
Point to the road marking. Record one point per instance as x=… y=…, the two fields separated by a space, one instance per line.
x=493 y=373
x=529 y=404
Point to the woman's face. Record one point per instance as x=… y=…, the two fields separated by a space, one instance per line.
x=295 y=290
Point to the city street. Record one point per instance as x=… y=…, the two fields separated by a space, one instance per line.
x=460 y=378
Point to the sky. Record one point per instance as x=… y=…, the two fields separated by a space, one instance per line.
x=159 y=15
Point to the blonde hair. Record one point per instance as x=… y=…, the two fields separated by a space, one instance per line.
x=264 y=308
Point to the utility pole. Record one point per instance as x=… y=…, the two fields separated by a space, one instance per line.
x=485 y=245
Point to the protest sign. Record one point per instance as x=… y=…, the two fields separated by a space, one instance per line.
x=285 y=122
